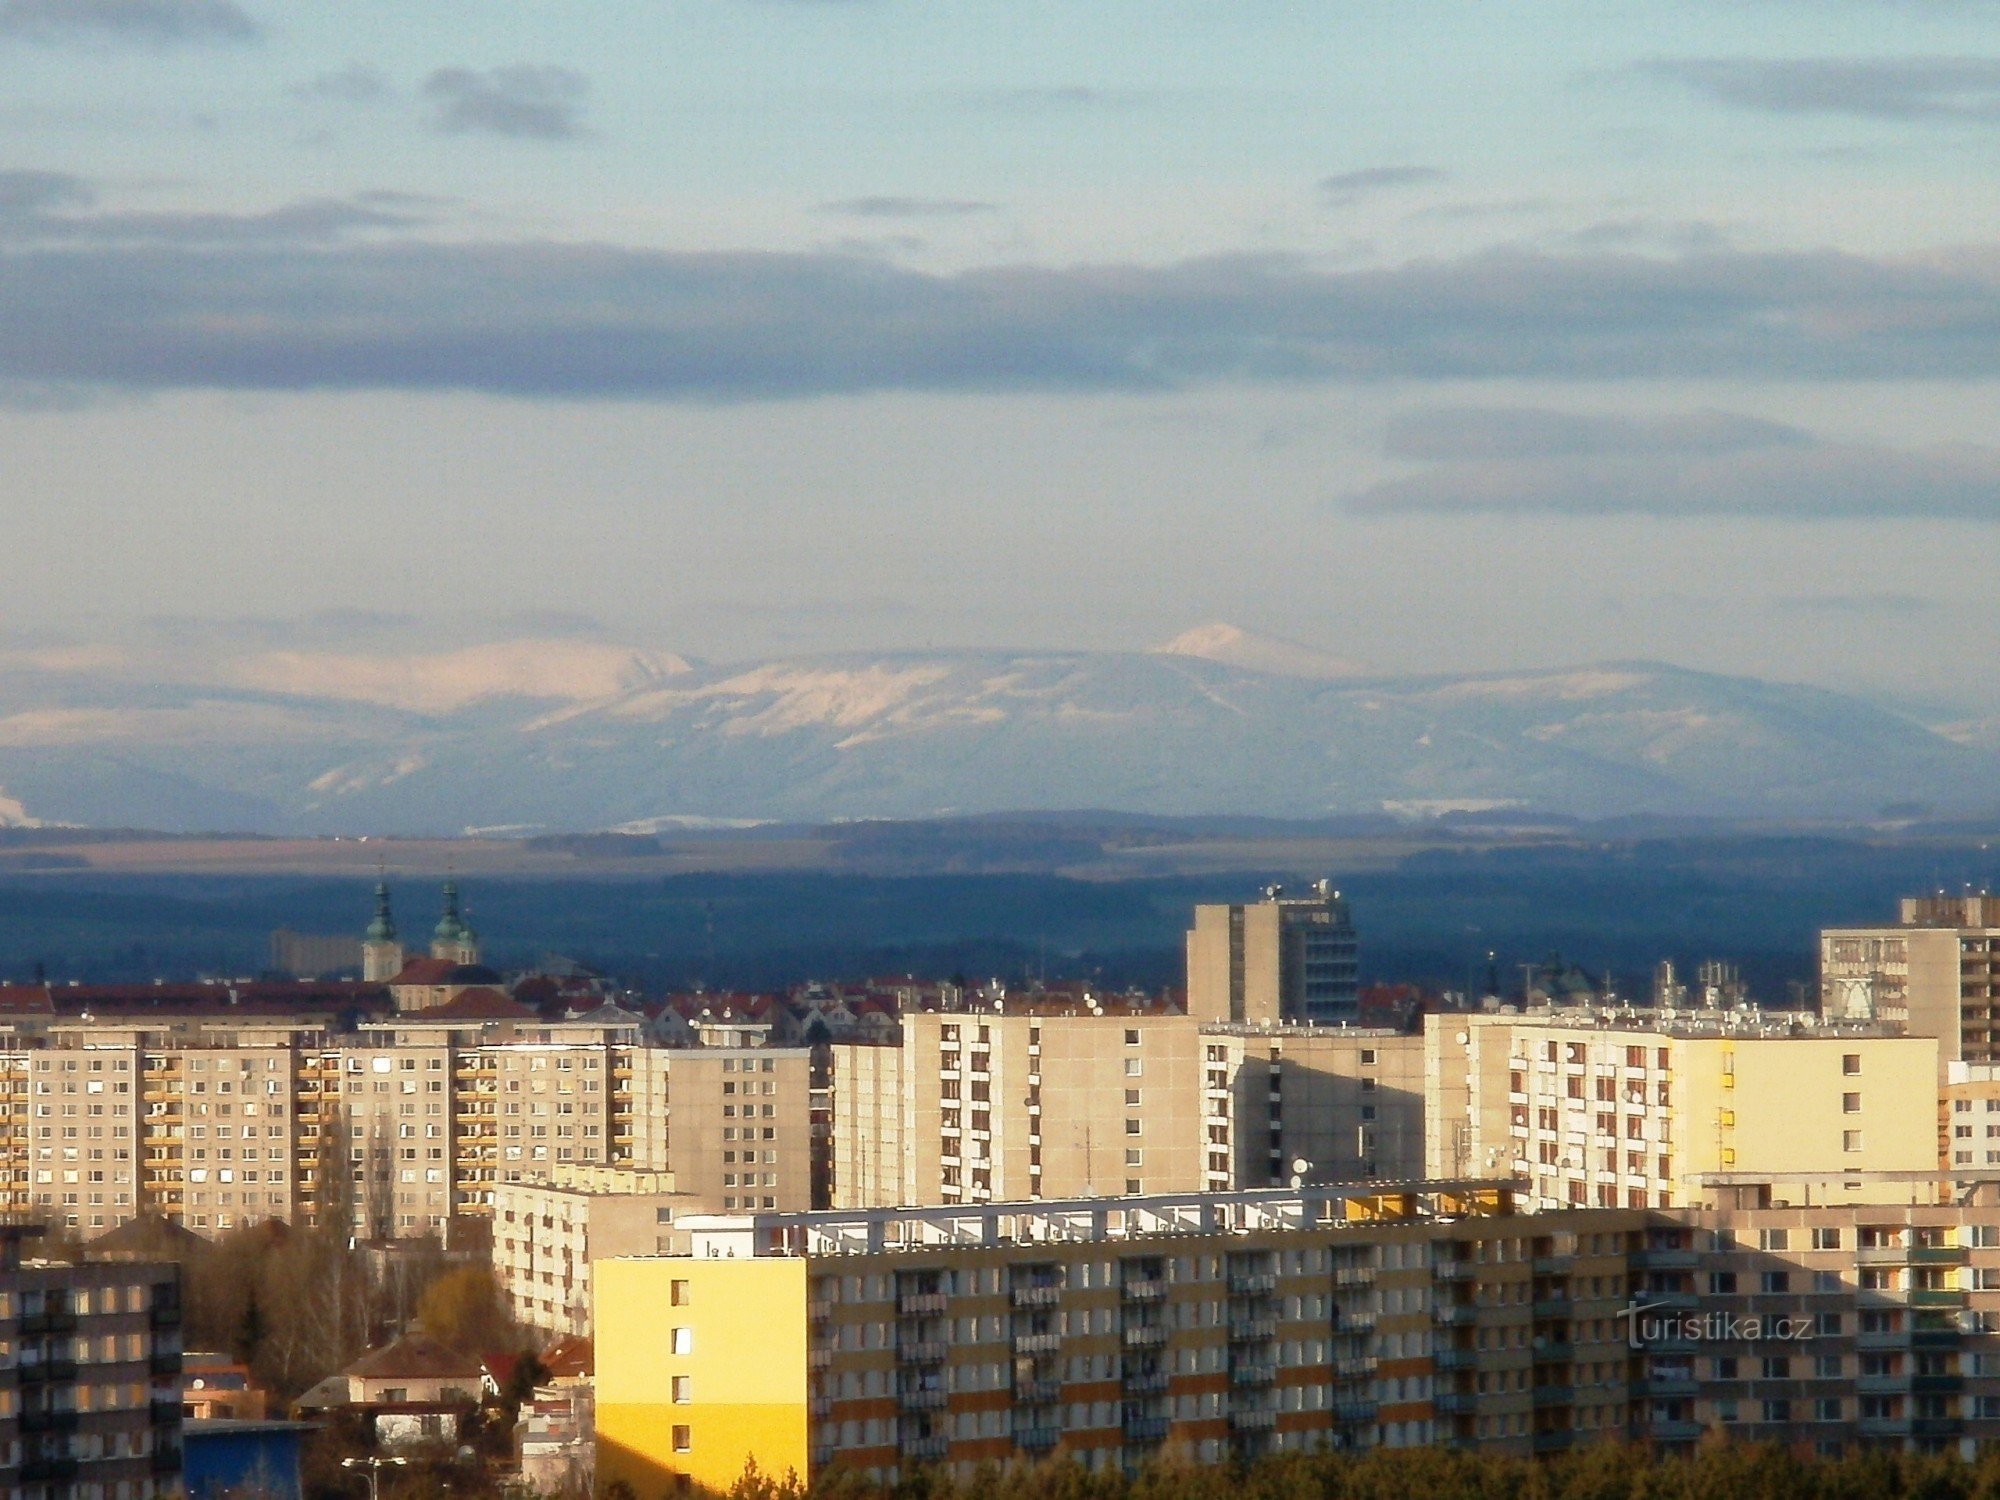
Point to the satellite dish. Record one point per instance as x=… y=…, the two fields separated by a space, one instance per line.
x=1301 y=1166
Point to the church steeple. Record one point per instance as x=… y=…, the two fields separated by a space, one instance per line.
x=453 y=937
x=381 y=954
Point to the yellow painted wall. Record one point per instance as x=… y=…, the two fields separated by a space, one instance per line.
x=1785 y=1111
x=746 y=1370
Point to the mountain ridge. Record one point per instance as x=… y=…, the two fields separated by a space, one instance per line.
x=636 y=738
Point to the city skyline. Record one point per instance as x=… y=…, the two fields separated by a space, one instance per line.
x=1435 y=337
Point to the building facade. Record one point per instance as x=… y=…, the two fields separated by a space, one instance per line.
x=1638 y=1111
x=1285 y=958
x=1233 y=1325
x=92 y=1403
x=1935 y=973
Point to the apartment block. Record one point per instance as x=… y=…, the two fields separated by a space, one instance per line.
x=1327 y=1103
x=91 y=1402
x=977 y=1106
x=1100 y=1330
x=1936 y=972
x=401 y=1126
x=1106 y=1104
x=548 y=1233
x=1233 y=1325
x=1652 y=1110
x=1285 y=958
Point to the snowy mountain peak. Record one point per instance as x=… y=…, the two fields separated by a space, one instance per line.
x=1221 y=642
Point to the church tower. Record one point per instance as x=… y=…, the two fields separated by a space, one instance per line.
x=381 y=954
x=454 y=938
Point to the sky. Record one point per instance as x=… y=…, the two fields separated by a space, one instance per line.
x=1444 y=336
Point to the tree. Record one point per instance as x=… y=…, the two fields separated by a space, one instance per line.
x=467 y=1309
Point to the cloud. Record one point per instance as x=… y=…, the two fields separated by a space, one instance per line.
x=146 y=23
x=539 y=103
x=908 y=208
x=1346 y=187
x=1870 y=602
x=357 y=83
x=51 y=209
x=380 y=310
x=27 y=191
x=1900 y=88
x=1456 y=434
x=1700 y=464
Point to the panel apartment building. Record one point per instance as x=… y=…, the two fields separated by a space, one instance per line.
x=1054 y=1102
x=91 y=1403
x=403 y=1125
x=1240 y=1324
x=1285 y=958
x=1936 y=972
x=1642 y=1110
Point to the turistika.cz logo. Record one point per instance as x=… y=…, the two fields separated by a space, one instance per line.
x=1645 y=1324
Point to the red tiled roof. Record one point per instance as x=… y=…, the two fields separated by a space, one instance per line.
x=570 y=1358
x=477 y=1004
x=416 y=1356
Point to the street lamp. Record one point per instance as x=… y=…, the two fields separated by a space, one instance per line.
x=374 y=1466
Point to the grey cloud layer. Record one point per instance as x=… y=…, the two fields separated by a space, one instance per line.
x=566 y=320
x=542 y=103
x=1901 y=88
x=1704 y=463
x=151 y=23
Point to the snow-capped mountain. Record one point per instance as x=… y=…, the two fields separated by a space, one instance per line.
x=561 y=735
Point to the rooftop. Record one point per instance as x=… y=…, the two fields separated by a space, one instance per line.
x=1090 y=1220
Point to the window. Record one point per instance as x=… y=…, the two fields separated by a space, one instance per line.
x=683 y=1440
x=1826 y=1239
x=1131 y=1038
x=1850 y=1064
x=1850 y=1140
x=677 y=1291
x=681 y=1390
x=1850 y=1104
x=1773 y=1239
x=683 y=1341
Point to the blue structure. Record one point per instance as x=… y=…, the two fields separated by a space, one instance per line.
x=226 y=1458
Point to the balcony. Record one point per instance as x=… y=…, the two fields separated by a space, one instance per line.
x=1936 y=1296
x=1884 y=1427
x=1937 y=1385
x=1146 y=1383
x=1936 y=1427
x=1252 y=1330
x=1145 y=1336
x=1455 y=1359
x=1354 y=1411
x=924 y=1449
x=1555 y=1395
x=1036 y=1439
x=923 y=1352
x=56 y=1421
x=915 y=1303
x=1037 y=1392
x=1257 y=1419
x=1939 y=1255
x=1882 y=1255
x=1670 y=1385
x=166 y=1460
x=933 y=1398
x=51 y=1470
x=1252 y=1284
x=1146 y=1429
x=32 y=1372
x=1147 y=1289
x=1253 y=1373
x=53 y=1320
x=1449 y=1270
x=1665 y=1258
x=1673 y=1431
x=1038 y=1296
x=1453 y=1314
x=1453 y=1403
x=164 y=1362
x=1037 y=1343
x=1553 y=1440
